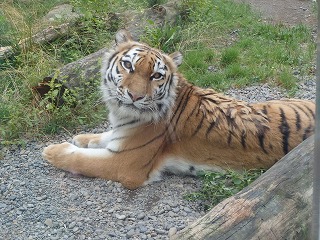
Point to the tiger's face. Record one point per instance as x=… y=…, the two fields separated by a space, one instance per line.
x=139 y=81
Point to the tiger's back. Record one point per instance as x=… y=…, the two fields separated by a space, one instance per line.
x=226 y=133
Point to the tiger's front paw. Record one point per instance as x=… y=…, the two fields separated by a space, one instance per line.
x=81 y=140
x=86 y=140
x=60 y=155
x=91 y=140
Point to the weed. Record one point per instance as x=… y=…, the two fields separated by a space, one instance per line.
x=164 y=37
x=229 y=56
x=218 y=186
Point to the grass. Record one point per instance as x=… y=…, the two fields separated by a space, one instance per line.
x=218 y=186
x=224 y=44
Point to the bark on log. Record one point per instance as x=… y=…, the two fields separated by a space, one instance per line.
x=276 y=206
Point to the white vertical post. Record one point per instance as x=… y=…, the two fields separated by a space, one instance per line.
x=316 y=165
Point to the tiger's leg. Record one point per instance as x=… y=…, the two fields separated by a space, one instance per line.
x=100 y=163
x=92 y=140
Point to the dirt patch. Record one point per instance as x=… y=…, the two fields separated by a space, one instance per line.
x=288 y=12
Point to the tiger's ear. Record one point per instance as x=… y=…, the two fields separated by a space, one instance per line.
x=123 y=36
x=177 y=58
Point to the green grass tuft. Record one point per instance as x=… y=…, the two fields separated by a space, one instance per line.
x=218 y=186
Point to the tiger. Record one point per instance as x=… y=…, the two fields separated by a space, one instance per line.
x=162 y=123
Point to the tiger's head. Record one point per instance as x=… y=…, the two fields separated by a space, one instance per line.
x=139 y=81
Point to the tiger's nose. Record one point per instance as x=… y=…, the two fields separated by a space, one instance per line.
x=135 y=97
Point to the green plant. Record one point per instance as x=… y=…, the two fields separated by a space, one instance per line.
x=218 y=186
x=229 y=56
x=164 y=37
x=152 y=3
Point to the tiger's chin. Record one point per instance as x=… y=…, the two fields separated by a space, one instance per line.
x=147 y=114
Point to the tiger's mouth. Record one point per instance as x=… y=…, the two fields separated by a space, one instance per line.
x=131 y=105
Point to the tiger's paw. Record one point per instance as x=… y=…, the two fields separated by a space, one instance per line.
x=60 y=155
x=86 y=140
x=81 y=140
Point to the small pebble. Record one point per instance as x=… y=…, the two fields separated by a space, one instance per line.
x=172 y=231
x=120 y=216
x=48 y=222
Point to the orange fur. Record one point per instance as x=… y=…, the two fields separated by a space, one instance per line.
x=202 y=128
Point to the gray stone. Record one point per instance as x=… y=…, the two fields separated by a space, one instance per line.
x=63 y=12
x=130 y=233
x=72 y=225
x=141 y=215
x=120 y=216
x=48 y=222
x=172 y=231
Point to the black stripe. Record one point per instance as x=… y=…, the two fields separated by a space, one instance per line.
x=112 y=151
x=185 y=95
x=206 y=94
x=210 y=100
x=312 y=113
x=127 y=123
x=264 y=110
x=300 y=108
x=298 y=118
x=113 y=63
x=285 y=130
x=183 y=106
x=141 y=146
x=193 y=110
x=229 y=138
x=307 y=132
x=139 y=50
x=231 y=124
x=111 y=58
x=212 y=125
x=199 y=126
x=261 y=141
x=165 y=91
x=243 y=139
x=261 y=131
x=162 y=145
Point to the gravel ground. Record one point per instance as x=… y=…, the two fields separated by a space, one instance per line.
x=38 y=201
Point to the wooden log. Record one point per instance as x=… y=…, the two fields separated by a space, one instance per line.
x=276 y=206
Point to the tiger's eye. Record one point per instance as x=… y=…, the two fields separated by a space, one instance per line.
x=157 y=76
x=127 y=64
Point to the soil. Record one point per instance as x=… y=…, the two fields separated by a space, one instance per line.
x=288 y=12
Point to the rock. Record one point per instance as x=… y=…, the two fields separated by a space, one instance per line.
x=130 y=233
x=72 y=225
x=137 y=21
x=143 y=229
x=160 y=231
x=120 y=216
x=172 y=231
x=48 y=222
x=61 y=13
x=141 y=216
